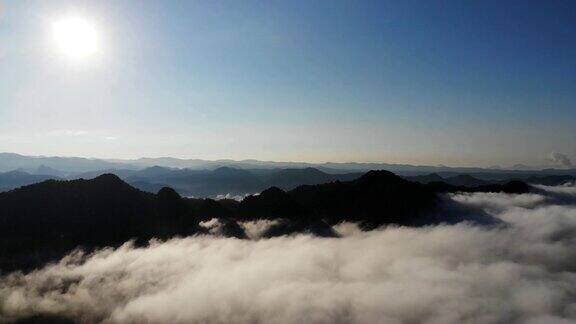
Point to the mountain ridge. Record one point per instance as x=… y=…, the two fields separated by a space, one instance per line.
x=11 y=161
x=44 y=220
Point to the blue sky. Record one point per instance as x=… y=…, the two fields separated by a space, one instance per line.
x=422 y=82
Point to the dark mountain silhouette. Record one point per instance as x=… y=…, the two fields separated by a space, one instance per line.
x=311 y=226
x=42 y=221
x=272 y=203
x=47 y=218
x=432 y=177
x=147 y=186
x=201 y=183
x=376 y=198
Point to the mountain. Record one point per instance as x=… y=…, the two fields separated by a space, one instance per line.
x=523 y=167
x=376 y=198
x=41 y=222
x=513 y=187
x=338 y=167
x=328 y=167
x=44 y=219
x=15 y=179
x=75 y=165
x=45 y=170
x=12 y=161
x=122 y=173
x=291 y=178
x=465 y=180
x=551 y=180
x=272 y=203
x=235 y=180
x=202 y=183
x=228 y=180
x=152 y=172
x=240 y=181
x=432 y=177
x=232 y=174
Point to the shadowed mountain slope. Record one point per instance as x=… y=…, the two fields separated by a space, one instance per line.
x=54 y=216
x=432 y=177
x=376 y=198
x=40 y=222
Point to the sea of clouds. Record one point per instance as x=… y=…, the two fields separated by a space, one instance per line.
x=521 y=269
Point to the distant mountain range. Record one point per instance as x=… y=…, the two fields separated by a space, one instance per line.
x=227 y=181
x=67 y=166
x=465 y=180
x=200 y=178
x=15 y=179
x=41 y=222
x=222 y=180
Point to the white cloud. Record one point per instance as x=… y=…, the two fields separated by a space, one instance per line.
x=523 y=271
x=232 y=196
x=68 y=132
x=560 y=159
x=255 y=229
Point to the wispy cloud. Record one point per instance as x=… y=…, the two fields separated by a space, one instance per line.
x=90 y=134
x=560 y=159
x=68 y=132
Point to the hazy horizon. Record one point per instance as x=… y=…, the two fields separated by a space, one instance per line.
x=556 y=161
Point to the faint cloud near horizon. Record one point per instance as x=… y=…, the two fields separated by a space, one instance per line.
x=560 y=159
x=92 y=134
x=67 y=132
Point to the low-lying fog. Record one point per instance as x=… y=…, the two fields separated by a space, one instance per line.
x=521 y=270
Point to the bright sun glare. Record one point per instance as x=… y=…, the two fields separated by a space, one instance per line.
x=75 y=37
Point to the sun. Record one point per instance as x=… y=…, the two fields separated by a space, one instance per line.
x=75 y=37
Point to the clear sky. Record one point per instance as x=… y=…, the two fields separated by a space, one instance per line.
x=422 y=82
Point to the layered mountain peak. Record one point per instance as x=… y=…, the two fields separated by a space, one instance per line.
x=168 y=193
x=379 y=176
x=108 y=179
x=272 y=192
